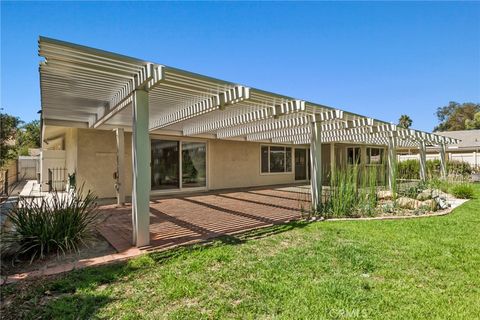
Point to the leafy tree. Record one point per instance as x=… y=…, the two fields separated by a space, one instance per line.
x=28 y=137
x=473 y=124
x=455 y=116
x=8 y=130
x=405 y=121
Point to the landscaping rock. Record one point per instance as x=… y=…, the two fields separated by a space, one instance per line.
x=425 y=195
x=438 y=193
x=408 y=203
x=384 y=194
x=431 y=204
x=442 y=202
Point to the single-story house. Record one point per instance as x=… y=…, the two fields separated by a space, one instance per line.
x=466 y=150
x=127 y=126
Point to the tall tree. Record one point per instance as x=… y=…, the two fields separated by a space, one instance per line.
x=473 y=124
x=8 y=130
x=28 y=137
x=455 y=116
x=405 y=121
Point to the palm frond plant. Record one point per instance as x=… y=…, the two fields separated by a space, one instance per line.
x=58 y=223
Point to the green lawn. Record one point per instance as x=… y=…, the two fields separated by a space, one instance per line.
x=403 y=269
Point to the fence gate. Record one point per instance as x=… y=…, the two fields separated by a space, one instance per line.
x=57 y=179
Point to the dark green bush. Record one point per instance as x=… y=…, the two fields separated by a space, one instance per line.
x=459 y=167
x=433 y=168
x=462 y=191
x=408 y=169
x=59 y=223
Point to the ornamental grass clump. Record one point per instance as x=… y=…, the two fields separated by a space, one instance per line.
x=341 y=199
x=59 y=223
x=368 y=200
x=352 y=192
x=462 y=190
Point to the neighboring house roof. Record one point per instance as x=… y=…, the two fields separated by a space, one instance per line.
x=470 y=139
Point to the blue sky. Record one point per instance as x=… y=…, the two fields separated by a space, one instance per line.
x=377 y=59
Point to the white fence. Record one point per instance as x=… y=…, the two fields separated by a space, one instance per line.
x=472 y=157
x=50 y=159
x=28 y=167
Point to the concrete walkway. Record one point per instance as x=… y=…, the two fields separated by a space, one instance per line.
x=11 y=200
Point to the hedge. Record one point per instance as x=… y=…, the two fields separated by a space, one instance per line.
x=410 y=169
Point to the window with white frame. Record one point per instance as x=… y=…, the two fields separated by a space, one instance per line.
x=353 y=155
x=374 y=156
x=276 y=159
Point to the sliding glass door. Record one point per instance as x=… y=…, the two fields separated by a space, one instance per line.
x=300 y=164
x=165 y=164
x=194 y=165
x=174 y=159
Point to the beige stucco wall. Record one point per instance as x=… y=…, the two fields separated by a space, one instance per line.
x=97 y=161
x=237 y=164
x=71 y=136
x=230 y=164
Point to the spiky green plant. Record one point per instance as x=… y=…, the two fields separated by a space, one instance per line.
x=58 y=223
x=462 y=190
x=352 y=192
x=343 y=192
x=394 y=182
x=370 y=187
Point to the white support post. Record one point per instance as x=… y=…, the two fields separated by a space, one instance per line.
x=363 y=157
x=120 y=174
x=443 y=161
x=392 y=162
x=141 y=169
x=423 y=160
x=316 y=163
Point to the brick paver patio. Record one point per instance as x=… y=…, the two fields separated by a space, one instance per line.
x=186 y=219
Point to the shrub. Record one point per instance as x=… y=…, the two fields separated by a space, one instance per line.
x=462 y=191
x=459 y=168
x=411 y=189
x=59 y=223
x=441 y=184
x=410 y=169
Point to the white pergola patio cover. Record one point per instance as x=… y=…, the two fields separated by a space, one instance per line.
x=91 y=88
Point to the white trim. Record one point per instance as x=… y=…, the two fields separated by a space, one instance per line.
x=292 y=171
x=367 y=156
x=180 y=188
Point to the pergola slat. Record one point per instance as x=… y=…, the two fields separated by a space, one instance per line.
x=100 y=86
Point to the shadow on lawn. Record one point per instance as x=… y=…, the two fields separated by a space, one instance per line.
x=240 y=238
x=80 y=293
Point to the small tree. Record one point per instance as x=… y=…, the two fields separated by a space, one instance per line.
x=405 y=121
x=28 y=137
x=8 y=130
